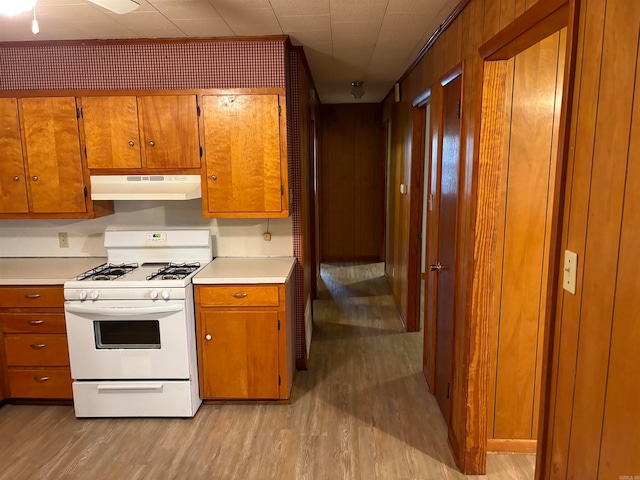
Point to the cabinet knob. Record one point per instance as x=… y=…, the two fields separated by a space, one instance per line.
x=35 y=322
x=41 y=379
x=238 y=295
x=35 y=178
x=38 y=346
x=214 y=177
x=151 y=144
x=208 y=336
x=32 y=295
x=131 y=144
x=16 y=178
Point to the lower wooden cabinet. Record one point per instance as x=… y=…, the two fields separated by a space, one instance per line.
x=34 y=343
x=245 y=341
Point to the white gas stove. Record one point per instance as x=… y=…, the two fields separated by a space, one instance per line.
x=131 y=325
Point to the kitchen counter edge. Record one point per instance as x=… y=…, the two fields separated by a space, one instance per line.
x=246 y=270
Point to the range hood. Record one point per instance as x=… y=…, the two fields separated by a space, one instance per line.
x=145 y=187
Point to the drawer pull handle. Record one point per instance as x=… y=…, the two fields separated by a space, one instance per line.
x=41 y=379
x=238 y=295
x=32 y=295
x=35 y=322
x=38 y=346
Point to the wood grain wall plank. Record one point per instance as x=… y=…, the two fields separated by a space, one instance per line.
x=614 y=113
x=352 y=170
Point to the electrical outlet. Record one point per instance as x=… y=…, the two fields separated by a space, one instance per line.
x=63 y=240
x=266 y=236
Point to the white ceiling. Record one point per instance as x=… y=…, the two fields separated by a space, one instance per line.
x=373 y=41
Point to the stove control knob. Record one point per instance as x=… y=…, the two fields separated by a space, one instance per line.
x=154 y=294
x=82 y=295
x=166 y=294
x=95 y=294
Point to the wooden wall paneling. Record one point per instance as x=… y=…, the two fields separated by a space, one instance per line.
x=491 y=24
x=350 y=201
x=550 y=238
x=614 y=114
x=528 y=164
x=620 y=441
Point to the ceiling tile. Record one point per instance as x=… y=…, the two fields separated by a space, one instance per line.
x=357 y=12
x=304 y=23
x=148 y=24
x=247 y=16
x=256 y=30
x=186 y=10
x=304 y=38
x=415 y=6
x=298 y=7
x=204 y=27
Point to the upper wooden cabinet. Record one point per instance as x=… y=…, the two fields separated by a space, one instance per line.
x=245 y=156
x=13 y=186
x=42 y=174
x=146 y=132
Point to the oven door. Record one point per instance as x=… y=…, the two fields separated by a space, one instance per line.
x=135 y=339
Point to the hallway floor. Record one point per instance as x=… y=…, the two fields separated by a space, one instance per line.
x=361 y=411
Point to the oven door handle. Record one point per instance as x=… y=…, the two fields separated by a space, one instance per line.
x=124 y=311
x=128 y=387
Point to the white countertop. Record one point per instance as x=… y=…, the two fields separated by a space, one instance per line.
x=44 y=271
x=244 y=270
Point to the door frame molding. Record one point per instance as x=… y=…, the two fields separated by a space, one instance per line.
x=538 y=22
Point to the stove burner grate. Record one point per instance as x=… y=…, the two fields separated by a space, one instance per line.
x=174 y=271
x=107 y=271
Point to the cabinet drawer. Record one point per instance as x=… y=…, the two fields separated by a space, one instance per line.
x=238 y=296
x=34 y=350
x=21 y=297
x=33 y=323
x=40 y=383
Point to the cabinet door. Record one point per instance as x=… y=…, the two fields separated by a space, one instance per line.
x=54 y=166
x=243 y=158
x=13 y=187
x=170 y=131
x=241 y=356
x=111 y=132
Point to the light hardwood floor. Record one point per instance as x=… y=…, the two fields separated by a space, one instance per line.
x=362 y=411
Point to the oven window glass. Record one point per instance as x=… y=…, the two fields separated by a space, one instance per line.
x=138 y=334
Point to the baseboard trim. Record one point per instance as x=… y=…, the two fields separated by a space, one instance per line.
x=511 y=445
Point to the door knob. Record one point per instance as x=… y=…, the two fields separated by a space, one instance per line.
x=438 y=267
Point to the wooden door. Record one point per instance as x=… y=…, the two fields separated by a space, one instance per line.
x=169 y=125
x=241 y=355
x=447 y=223
x=243 y=157
x=13 y=187
x=111 y=132
x=50 y=129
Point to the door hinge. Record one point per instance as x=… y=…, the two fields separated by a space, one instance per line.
x=278 y=324
x=458 y=108
x=86 y=192
x=281 y=189
x=279 y=380
x=279 y=110
x=448 y=389
x=200 y=151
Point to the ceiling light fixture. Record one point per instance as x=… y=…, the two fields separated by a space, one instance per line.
x=35 y=28
x=357 y=90
x=10 y=8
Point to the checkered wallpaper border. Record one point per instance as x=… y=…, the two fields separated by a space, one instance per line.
x=143 y=66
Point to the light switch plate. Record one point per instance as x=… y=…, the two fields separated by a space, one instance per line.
x=570 y=271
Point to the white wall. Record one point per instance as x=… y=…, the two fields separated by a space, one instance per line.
x=231 y=237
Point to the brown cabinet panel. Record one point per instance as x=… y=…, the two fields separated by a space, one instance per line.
x=13 y=187
x=240 y=350
x=27 y=296
x=36 y=323
x=169 y=125
x=239 y=296
x=111 y=132
x=243 y=154
x=40 y=383
x=50 y=130
x=34 y=350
